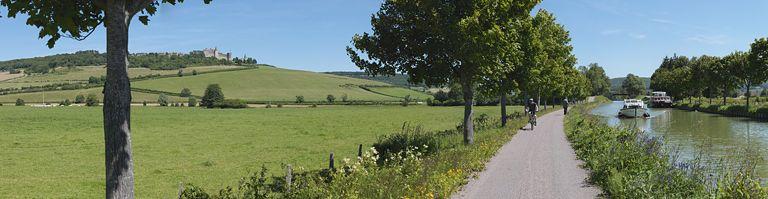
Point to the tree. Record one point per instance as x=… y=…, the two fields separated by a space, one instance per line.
x=738 y=64
x=66 y=102
x=19 y=102
x=633 y=85
x=162 y=100
x=757 y=71
x=194 y=72
x=213 y=95
x=185 y=92
x=330 y=98
x=79 y=99
x=91 y=100
x=344 y=97
x=299 y=99
x=78 y=19
x=180 y=73
x=729 y=72
x=192 y=102
x=435 y=42
x=599 y=82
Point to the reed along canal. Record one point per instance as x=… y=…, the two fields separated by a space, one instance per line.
x=691 y=134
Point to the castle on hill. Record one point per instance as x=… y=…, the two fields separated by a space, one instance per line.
x=215 y=53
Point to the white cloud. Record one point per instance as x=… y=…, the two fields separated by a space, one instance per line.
x=663 y=21
x=637 y=35
x=611 y=32
x=712 y=40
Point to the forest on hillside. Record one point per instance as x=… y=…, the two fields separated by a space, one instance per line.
x=155 y=61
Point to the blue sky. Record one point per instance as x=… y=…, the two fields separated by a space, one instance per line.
x=623 y=36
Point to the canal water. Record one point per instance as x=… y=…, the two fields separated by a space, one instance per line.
x=693 y=134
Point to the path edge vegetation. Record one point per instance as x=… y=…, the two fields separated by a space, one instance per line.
x=627 y=163
x=409 y=164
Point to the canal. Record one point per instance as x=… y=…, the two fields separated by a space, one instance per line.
x=694 y=134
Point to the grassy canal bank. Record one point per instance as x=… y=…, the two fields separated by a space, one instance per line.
x=755 y=111
x=628 y=163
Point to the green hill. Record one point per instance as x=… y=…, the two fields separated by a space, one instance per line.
x=260 y=84
x=616 y=82
x=398 y=80
x=275 y=84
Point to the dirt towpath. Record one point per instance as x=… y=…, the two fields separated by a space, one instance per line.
x=534 y=164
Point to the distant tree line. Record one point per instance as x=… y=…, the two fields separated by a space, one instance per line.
x=712 y=76
x=155 y=61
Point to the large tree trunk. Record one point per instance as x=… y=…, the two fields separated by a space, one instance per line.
x=469 y=129
x=725 y=94
x=503 y=102
x=748 y=94
x=117 y=104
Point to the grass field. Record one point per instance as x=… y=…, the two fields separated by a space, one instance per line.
x=400 y=92
x=58 y=96
x=6 y=76
x=273 y=84
x=58 y=152
x=83 y=73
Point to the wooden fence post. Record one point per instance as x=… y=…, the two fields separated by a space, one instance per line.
x=330 y=163
x=360 y=151
x=288 y=178
x=181 y=190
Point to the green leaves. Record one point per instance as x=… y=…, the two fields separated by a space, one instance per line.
x=144 y=19
x=73 y=19
x=435 y=42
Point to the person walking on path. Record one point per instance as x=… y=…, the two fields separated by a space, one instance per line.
x=565 y=106
x=540 y=164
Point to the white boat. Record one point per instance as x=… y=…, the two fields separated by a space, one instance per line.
x=660 y=100
x=633 y=108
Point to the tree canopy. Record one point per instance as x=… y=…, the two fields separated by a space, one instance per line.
x=633 y=86
x=436 y=42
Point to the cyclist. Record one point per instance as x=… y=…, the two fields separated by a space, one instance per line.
x=532 y=108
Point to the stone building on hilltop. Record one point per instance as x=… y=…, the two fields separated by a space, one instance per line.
x=215 y=53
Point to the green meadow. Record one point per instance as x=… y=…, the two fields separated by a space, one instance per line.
x=61 y=148
x=58 y=96
x=275 y=84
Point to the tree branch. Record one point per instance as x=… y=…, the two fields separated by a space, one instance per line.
x=138 y=5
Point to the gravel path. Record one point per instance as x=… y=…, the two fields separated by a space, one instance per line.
x=534 y=164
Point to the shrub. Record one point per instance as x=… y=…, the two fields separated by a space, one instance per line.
x=185 y=92
x=344 y=97
x=180 y=73
x=79 y=99
x=330 y=98
x=406 y=100
x=1 y=104
x=66 y=102
x=213 y=95
x=162 y=100
x=299 y=99
x=408 y=138
x=144 y=103
x=231 y=103
x=269 y=105
x=313 y=106
x=191 y=102
x=19 y=102
x=91 y=100
x=194 y=72
x=279 y=105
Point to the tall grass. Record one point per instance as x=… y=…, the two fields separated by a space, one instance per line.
x=409 y=164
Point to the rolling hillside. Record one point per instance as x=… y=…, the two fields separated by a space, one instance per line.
x=262 y=84
x=398 y=80
x=616 y=82
x=275 y=84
